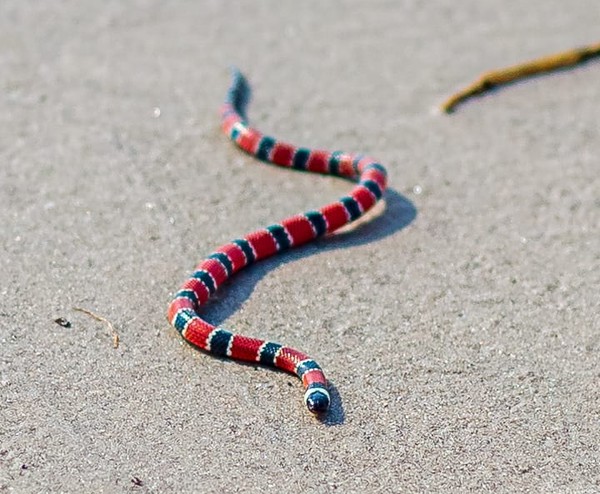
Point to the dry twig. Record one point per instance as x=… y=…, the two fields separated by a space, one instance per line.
x=499 y=77
x=115 y=336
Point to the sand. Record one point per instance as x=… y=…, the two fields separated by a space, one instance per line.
x=459 y=329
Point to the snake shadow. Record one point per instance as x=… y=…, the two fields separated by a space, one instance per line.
x=399 y=212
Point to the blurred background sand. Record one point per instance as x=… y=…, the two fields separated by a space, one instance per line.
x=460 y=329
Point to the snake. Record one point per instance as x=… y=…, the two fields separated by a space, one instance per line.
x=370 y=179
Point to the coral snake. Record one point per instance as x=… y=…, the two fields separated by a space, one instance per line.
x=296 y=230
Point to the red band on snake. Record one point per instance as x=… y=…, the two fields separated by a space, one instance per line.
x=296 y=230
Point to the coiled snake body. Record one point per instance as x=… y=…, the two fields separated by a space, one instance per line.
x=291 y=232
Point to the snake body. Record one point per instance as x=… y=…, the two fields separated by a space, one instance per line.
x=212 y=272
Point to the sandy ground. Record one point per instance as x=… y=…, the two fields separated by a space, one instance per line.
x=460 y=329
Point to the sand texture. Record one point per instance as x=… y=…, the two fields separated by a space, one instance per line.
x=460 y=329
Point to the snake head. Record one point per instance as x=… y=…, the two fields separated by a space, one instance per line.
x=317 y=400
